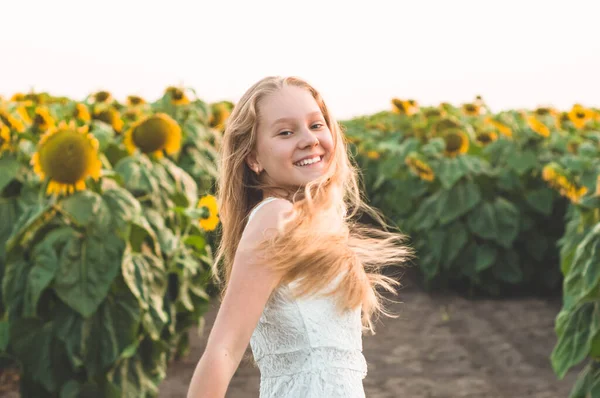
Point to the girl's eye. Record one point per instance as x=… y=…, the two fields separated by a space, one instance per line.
x=317 y=124
x=284 y=133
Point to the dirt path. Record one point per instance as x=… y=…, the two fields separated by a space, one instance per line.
x=439 y=346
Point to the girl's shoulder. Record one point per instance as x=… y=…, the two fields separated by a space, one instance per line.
x=279 y=206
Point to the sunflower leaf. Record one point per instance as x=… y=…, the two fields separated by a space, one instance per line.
x=574 y=329
x=541 y=200
x=9 y=168
x=146 y=277
x=458 y=201
x=88 y=266
x=521 y=162
x=450 y=171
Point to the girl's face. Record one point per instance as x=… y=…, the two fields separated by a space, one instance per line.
x=294 y=144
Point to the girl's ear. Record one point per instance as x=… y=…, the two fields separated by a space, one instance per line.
x=252 y=162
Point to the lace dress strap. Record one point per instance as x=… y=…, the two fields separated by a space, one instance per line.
x=261 y=204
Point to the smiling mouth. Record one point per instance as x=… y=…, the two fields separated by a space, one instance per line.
x=309 y=161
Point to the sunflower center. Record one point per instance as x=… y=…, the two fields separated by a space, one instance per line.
x=580 y=115
x=39 y=120
x=66 y=156
x=177 y=94
x=102 y=96
x=446 y=124
x=453 y=142
x=484 y=138
x=105 y=116
x=151 y=135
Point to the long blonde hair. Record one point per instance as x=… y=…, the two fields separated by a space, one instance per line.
x=309 y=248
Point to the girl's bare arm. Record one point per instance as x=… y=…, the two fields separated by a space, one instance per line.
x=250 y=285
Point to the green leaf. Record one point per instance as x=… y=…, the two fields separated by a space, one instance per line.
x=4 y=335
x=110 y=331
x=425 y=216
x=507 y=268
x=9 y=213
x=136 y=377
x=485 y=256
x=591 y=268
x=146 y=277
x=574 y=332
x=45 y=260
x=452 y=204
x=541 y=200
x=88 y=210
x=498 y=221
x=521 y=162
x=9 y=168
x=14 y=284
x=456 y=238
x=31 y=341
x=88 y=265
x=450 y=171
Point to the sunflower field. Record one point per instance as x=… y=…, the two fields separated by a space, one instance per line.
x=107 y=215
x=497 y=203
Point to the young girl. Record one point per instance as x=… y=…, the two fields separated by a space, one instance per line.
x=300 y=274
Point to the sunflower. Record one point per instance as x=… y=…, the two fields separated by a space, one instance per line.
x=471 y=109
x=434 y=113
x=67 y=155
x=579 y=116
x=153 y=135
x=445 y=124
x=486 y=137
x=177 y=96
x=23 y=114
x=419 y=167
x=4 y=138
x=561 y=119
x=558 y=179
x=132 y=115
x=133 y=100
x=537 y=126
x=42 y=120
x=17 y=97
x=409 y=107
x=457 y=142
x=373 y=155
x=445 y=106
x=11 y=122
x=21 y=99
x=82 y=113
x=210 y=219
x=110 y=116
x=220 y=111
x=504 y=129
x=103 y=97
x=545 y=111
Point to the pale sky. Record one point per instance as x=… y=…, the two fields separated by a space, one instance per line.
x=359 y=54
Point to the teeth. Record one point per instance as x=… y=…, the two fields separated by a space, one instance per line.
x=308 y=161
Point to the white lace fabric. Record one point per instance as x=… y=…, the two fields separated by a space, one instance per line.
x=305 y=348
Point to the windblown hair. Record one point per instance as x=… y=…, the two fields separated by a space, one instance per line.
x=320 y=240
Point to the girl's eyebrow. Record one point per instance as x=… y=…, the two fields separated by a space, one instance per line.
x=290 y=119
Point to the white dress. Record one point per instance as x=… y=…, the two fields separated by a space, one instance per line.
x=305 y=349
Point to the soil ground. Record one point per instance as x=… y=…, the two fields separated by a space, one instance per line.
x=441 y=345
